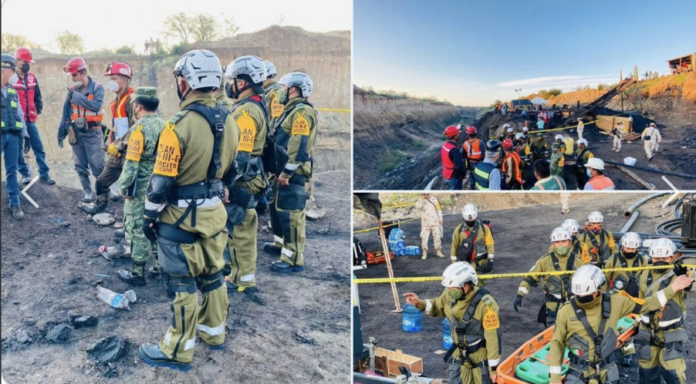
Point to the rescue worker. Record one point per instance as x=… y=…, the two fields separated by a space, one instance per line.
x=508 y=133
x=13 y=131
x=184 y=211
x=488 y=177
x=473 y=313
x=546 y=181
x=627 y=281
x=472 y=241
x=577 y=247
x=220 y=95
x=581 y=128
x=82 y=123
x=525 y=131
x=271 y=89
x=556 y=288
x=474 y=150
x=296 y=132
x=122 y=117
x=599 y=241
x=431 y=222
x=588 y=328
x=29 y=94
x=652 y=138
x=539 y=147
x=524 y=150
x=597 y=181
x=618 y=133
x=453 y=165
x=583 y=155
x=512 y=167
x=557 y=161
x=139 y=161
x=245 y=77
x=561 y=143
x=661 y=337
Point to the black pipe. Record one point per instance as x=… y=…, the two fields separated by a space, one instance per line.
x=684 y=175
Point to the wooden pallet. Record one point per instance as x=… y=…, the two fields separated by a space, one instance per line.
x=633 y=136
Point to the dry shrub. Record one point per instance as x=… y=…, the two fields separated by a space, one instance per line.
x=689 y=87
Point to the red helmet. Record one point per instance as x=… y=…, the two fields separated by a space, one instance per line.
x=74 y=65
x=23 y=54
x=118 y=68
x=507 y=144
x=451 y=131
x=471 y=130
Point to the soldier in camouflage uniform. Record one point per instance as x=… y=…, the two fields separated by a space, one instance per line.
x=557 y=160
x=137 y=168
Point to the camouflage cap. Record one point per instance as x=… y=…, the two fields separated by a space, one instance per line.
x=555 y=146
x=145 y=93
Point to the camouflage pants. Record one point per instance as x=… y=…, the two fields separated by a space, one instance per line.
x=133 y=222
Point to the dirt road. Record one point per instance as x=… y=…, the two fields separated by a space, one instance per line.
x=521 y=237
x=296 y=330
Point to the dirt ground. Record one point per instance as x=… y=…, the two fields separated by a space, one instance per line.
x=296 y=330
x=517 y=249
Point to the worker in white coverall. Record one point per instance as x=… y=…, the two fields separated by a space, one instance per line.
x=431 y=221
x=618 y=134
x=581 y=128
x=652 y=138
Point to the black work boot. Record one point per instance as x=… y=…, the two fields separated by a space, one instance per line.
x=134 y=278
x=271 y=248
x=98 y=207
x=156 y=272
x=152 y=355
x=17 y=212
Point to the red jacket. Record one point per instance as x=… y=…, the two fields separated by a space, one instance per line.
x=29 y=96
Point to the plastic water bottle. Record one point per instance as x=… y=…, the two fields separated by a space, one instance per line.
x=116 y=300
x=411 y=319
x=446 y=334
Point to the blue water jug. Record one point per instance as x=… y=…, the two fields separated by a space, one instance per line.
x=400 y=244
x=411 y=319
x=392 y=245
x=446 y=334
x=401 y=252
x=396 y=234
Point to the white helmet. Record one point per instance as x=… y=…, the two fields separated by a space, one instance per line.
x=270 y=69
x=631 y=240
x=595 y=163
x=560 y=234
x=506 y=125
x=469 y=212
x=458 y=274
x=559 y=137
x=582 y=141
x=571 y=225
x=509 y=129
x=299 y=80
x=595 y=217
x=662 y=248
x=587 y=280
x=251 y=66
x=519 y=136
x=525 y=129
x=201 y=69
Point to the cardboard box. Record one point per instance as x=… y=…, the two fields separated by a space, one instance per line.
x=389 y=362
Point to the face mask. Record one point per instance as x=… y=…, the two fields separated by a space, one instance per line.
x=596 y=230
x=589 y=174
x=283 y=96
x=455 y=294
x=585 y=299
x=25 y=67
x=470 y=223
x=113 y=86
x=13 y=79
x=630 y=255
x=660 y=263
x=562 y=251
x=228 y=90
x=77 y=84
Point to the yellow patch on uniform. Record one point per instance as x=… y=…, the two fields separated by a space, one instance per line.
x=300 y=126
x=136 y=145
x=276 y=107
x=586 y=257
x=490 y=320
x=247 y=132
x=168 y=153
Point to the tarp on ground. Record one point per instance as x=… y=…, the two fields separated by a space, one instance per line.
x=539 y=101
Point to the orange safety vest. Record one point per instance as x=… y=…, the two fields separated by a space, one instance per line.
x=516 y=163
x=447 y=163
x=118 y=109
x=93 y=118
x=600 y=183
x=473 y=149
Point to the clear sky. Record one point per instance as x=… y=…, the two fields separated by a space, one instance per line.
x=474 y=52
x=138 y=20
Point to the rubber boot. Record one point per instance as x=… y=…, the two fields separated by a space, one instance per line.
x=152 y=355
x=98 y=207
x=439 y=252
x=87 y=188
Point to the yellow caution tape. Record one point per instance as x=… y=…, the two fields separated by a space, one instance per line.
x=504 y=275
x=553 y=130
x=387 y=225
x=390 y=207
x=333 y=110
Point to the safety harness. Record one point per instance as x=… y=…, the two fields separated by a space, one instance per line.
x=624 y=284
x=275 y=156
x=600 y=247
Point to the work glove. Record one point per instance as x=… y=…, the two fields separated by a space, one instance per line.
x=486 y=267
x=27 y=145
x=680 y=269
x=517 y=303
x=60 y=143
x=150 y=232
x=113 y=151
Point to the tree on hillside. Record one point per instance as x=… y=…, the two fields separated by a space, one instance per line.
x=125 y=50
x=178 y=27
x=10 y=42
x=70 y=43
x=201 y=27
